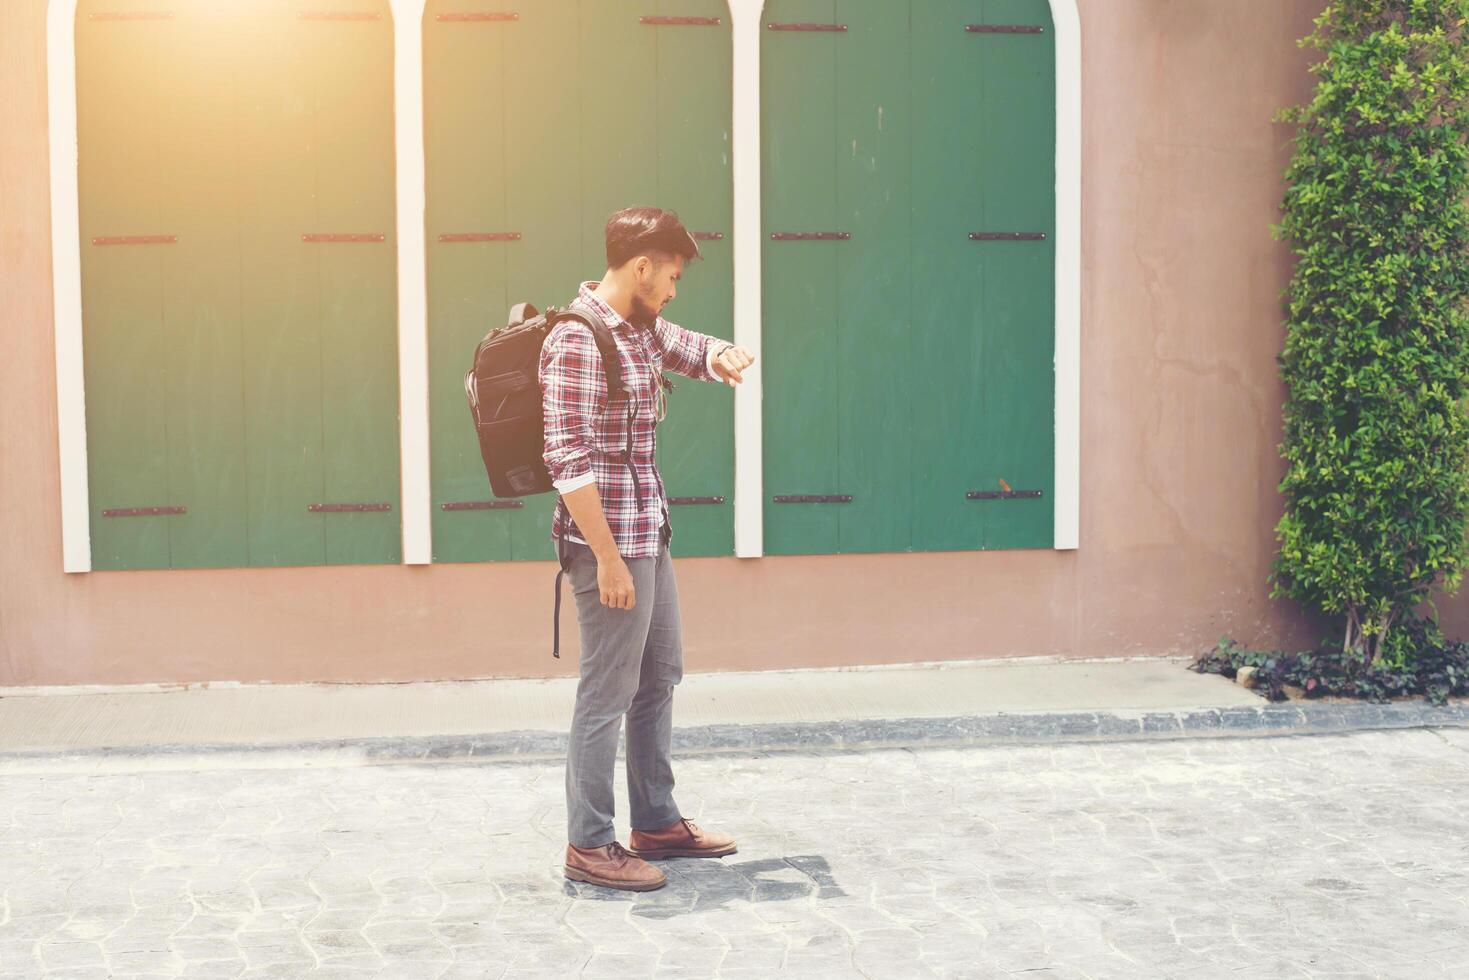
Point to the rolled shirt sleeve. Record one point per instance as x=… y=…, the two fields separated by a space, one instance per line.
x=564 y=487
x=573 y=393
x=688 y=352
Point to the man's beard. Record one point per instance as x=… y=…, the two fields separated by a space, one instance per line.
x=643 y=314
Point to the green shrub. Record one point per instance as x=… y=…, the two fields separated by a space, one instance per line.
x=1438 y=670
x=1376 y=355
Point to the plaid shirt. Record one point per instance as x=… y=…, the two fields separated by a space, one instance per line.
x=585 y=437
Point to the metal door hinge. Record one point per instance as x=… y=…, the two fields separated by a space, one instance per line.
x=480 y=16
x=481 y=236
x=132 y=15
x=1000 y=494
x=323 y=237
x=814 y=498
x=810 y=236
x=345 y=508
x=681 y=21
x=135 y=239
x=339 y=15
x=1003 y=29
x=838 y=28
x=484 y=505
x=1007 y=236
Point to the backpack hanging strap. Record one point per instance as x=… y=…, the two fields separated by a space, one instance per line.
x=556 y=616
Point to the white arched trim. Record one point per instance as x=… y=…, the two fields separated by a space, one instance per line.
x=66 y=285
x=749 y=463
x=413 y=400
x=1067 y=514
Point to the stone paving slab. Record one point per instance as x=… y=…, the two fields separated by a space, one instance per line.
x=1342 y=856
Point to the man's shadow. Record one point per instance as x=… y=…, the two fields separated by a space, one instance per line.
x=702 y=884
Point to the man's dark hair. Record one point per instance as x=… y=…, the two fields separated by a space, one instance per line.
x=640 y=231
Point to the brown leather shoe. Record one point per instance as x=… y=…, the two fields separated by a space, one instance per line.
x=612 y=867
x=681 y=839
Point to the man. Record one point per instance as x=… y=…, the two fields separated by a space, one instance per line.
x=612 y=532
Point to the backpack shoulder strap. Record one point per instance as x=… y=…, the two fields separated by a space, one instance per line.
x=611 y=366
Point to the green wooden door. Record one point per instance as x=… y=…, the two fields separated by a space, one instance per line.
x=241 y=381
x=908 y=365
x=539 y=125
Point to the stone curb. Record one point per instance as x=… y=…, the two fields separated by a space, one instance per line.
x=1293 y=718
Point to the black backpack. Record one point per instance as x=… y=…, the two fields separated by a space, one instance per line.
x=505 y=395
x=504 y=391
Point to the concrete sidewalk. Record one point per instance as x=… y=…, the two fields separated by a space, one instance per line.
x=241 y=715
x=977 y=702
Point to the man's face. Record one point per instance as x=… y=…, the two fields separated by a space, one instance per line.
x=656 y=283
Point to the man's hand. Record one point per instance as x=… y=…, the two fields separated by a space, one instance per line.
x=731 y=363
x=615 y=582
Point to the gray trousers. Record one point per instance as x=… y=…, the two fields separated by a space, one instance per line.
x=630 y=661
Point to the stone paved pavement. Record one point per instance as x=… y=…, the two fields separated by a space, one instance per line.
x=1326 y=856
